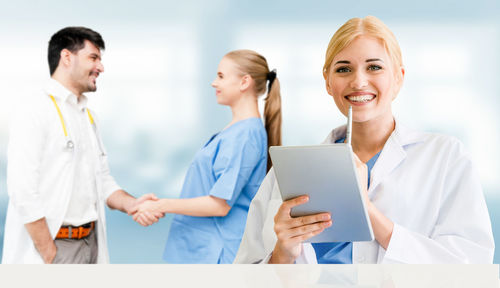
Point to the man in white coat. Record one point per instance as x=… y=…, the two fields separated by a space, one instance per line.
x=58 y=176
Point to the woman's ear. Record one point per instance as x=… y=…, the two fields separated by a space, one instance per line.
x=328 y=86
x=327 y=82
x=246 y=82
x=328 y=89
x=400 y=75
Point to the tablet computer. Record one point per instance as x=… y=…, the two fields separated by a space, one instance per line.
x=327 y=173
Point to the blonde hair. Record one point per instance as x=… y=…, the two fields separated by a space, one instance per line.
x=251 y=63
x=368 y=26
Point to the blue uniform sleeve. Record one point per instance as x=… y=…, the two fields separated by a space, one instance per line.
x=233 y=167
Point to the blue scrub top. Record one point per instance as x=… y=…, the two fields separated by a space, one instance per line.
x=231 y=166
x=339 y=252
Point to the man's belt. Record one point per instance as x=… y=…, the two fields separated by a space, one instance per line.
x=72 y=232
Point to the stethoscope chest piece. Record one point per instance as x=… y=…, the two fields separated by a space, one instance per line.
x=70 y=145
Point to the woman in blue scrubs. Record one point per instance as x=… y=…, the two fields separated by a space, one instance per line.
x=226 y=173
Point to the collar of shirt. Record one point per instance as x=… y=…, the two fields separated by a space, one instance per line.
x=56 y=89
x=402 y=135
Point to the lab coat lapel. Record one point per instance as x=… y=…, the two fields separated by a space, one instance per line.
x=393 y=153
x=391 y=156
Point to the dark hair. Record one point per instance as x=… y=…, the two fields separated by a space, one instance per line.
x=73 y=39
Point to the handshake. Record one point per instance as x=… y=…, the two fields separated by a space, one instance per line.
x=145 y=210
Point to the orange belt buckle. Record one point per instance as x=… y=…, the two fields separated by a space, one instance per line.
x=80 y=230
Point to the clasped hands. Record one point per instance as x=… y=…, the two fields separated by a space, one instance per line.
x=145 y=210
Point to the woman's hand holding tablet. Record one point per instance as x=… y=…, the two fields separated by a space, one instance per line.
x=291 y=232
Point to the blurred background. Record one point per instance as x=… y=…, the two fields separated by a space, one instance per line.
x=157 y=107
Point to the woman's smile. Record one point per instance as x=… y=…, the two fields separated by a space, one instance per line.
x=360 y=98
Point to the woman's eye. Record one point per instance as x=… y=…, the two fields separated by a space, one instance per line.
x=343 y=70
x=374 y=67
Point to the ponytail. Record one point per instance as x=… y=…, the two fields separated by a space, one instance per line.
x=255 y=65
x=272 y=115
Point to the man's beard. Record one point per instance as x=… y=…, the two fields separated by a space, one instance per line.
x=91 y=88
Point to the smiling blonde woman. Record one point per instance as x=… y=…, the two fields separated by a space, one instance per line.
x=423 y=196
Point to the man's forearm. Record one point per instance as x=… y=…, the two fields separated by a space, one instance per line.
x=44 y=244
x=121 y=200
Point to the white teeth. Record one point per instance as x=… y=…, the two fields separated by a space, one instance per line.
x=361 y=98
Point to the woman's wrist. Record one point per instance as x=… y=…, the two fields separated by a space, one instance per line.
x=278 y=257
x=164 y=206
x=382 y=226
x=370 y=208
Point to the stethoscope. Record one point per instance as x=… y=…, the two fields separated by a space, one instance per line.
x=70 y=145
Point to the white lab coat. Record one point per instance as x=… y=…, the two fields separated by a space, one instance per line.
x=425 y=183
x=40 y=174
